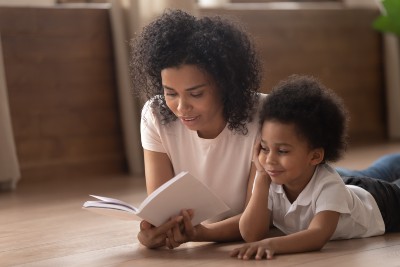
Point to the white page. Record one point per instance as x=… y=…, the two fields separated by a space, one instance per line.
x=117 y=201
x=121 y=212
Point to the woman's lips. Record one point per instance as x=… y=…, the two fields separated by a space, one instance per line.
x=188 y=120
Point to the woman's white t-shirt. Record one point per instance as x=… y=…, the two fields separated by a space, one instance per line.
x=222 y=163
x=359 y=213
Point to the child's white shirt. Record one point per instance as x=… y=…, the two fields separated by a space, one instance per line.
x=359 y=213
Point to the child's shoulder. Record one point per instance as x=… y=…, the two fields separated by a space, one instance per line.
x=327 y=177
x=327 y=169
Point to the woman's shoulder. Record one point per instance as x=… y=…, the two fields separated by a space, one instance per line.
x=147 y=113
x=150 y=110
x=151 y=117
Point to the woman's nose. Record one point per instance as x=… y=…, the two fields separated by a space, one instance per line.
x=183 y=105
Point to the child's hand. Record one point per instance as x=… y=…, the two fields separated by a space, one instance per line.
x=257 y=250
x=256 y=152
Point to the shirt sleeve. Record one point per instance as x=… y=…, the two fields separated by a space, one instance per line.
x=150 y=130
x=334 y=197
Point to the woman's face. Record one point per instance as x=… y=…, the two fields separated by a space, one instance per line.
x=193 y=97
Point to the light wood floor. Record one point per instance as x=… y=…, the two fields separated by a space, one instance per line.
x=42 y=224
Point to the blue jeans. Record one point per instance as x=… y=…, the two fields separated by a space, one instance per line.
x=386 y=168
x=382 y=180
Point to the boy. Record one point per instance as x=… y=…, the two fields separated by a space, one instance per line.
x=303 y=128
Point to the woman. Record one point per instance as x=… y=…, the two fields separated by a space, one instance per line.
x=200 y=77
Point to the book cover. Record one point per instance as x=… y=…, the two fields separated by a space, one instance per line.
x=183 y=191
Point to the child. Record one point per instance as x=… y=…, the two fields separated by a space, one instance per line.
x=303 y=128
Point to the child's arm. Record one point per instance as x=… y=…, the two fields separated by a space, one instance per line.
x=255 y=221
x=315 y=237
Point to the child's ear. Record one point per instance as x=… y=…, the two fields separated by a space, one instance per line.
x=317 y=156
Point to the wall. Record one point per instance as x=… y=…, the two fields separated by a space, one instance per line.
x=335 y=44
x=62 y=90
x=61 y=82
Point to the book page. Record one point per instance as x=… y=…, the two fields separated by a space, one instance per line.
x=121 y=212
x=115 y=201
x=111 y=207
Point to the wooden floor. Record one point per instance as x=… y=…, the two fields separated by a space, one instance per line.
x=42 y=224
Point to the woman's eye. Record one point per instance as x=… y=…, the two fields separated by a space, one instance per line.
x=264 y=149
x=170 y=94
x=283 y=151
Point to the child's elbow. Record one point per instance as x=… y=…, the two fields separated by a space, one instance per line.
x=251 y=235
x=249 y=239
x=253 y=231
x=319 y=245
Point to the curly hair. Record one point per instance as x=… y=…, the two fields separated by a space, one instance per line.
x=215 y=45
x=318 y=114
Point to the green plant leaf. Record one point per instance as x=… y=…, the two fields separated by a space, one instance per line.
x=389 y=22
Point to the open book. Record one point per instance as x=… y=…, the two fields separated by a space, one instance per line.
x=183 y=191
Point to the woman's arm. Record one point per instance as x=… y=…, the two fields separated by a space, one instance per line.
x=158 y=170
x=319 y=232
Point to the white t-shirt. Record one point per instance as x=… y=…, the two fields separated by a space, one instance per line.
x=222 y=163
x=359 y=213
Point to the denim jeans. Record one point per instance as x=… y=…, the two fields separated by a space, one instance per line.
x=386 y=168
x=382 y=180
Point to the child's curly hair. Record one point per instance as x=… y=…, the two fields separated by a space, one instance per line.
x=215 y=45
x=318 y=114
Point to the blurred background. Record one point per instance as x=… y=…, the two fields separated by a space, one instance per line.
x=66 y=106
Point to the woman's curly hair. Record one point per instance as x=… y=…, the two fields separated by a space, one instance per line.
x=318 y=114
x=215 y=45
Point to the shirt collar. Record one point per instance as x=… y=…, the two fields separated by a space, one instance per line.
x=305 y=197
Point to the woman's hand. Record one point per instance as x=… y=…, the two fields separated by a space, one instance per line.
x=155 y=237
x=257 y=250
x=182 y=232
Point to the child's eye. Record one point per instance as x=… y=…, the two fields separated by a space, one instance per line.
x=264 y=150
x=197 y=94
x=283 y=151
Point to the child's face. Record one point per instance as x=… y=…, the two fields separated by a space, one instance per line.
x=285 y=156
